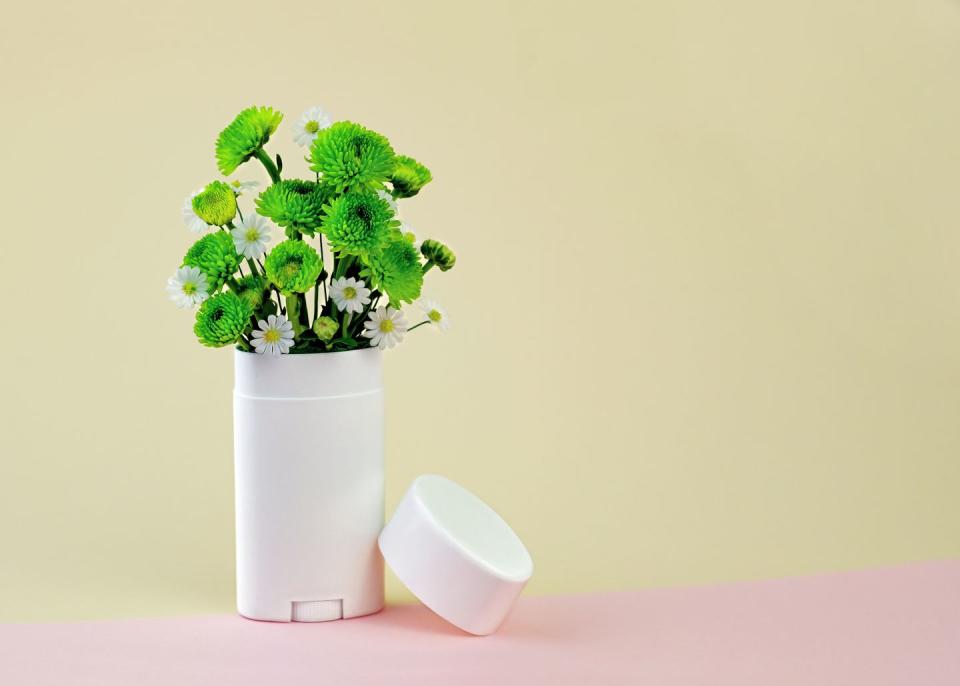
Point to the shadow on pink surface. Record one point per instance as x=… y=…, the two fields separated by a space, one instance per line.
x=898 y=625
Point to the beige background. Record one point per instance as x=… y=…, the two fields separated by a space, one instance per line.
x=707 y=306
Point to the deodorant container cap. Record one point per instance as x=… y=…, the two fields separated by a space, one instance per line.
x=456 y=554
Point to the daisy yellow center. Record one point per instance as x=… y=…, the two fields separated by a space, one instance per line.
x=349 y=293
x=311 y=127
x=272 y=336
x=252 y=235
x=386 y=325
x=434 y=316
x=189 y=288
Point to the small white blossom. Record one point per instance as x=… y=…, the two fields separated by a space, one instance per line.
x=240 y=187
x=349 y=295
x=274 y=336
x=251 y=235
x=311 y=121
x=385 y=327
x=188 y=287
x=436 y=315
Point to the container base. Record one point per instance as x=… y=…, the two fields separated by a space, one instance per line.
x=316 y=610
x=311 y=611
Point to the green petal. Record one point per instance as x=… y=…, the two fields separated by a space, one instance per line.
x=351 y=157
x=239 y=141
x=358 y=223
x=216 y=204
x=397 y=270
x=252 y=289
x=438 y=253
x=408 y=177
x=221 y=319
x=294 y=204
x=293 y=266
x=214 y=255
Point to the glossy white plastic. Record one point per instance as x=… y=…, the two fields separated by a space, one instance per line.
x=308 y=448
x=456 y=554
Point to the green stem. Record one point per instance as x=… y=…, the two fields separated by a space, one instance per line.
x=428 y=266
x=363 y=315
x=268 y=164
x=344 y=265
x=417 y=326
x=293 y=312
x=303 y=314
x=280 y=308
x=233 y=284
x=346 y=324
x=253 y=266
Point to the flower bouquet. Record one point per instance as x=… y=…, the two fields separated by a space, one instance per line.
x=308 y=428
x=347 y=265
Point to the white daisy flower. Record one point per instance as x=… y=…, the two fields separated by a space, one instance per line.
x=436 y=315
x=190 y=218
x=251 y=235
x=311 y=121
x=349 y=295
x=188 y=287
x=385 y=327
x=240 y=187
x=274 y=337
x=389 y=199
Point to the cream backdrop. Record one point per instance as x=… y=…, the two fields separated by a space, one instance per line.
x=707 y=303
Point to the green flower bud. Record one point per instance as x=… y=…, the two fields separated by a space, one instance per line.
x=216 y=204
x=221 y=319
x=216 y=256
x=325 y=328
x=408 y=176
x=438 y=253
x=293 y=266
x=239 y=141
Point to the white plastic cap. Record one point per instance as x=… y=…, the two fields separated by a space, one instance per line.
x=456 y=554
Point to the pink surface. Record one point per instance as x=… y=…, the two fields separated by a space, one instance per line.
x=888 y=626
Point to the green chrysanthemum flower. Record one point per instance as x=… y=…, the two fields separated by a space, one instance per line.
x=294 y=204
x=216 y=256
x=351 y=157
x=358 y=223
x=251 y=289
x=325 y=328
x=408 y=177
x=216 y=204
x=239 y=141
x=397 y=270
x=293 y=266
x=438 y=254
x=221 y=319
